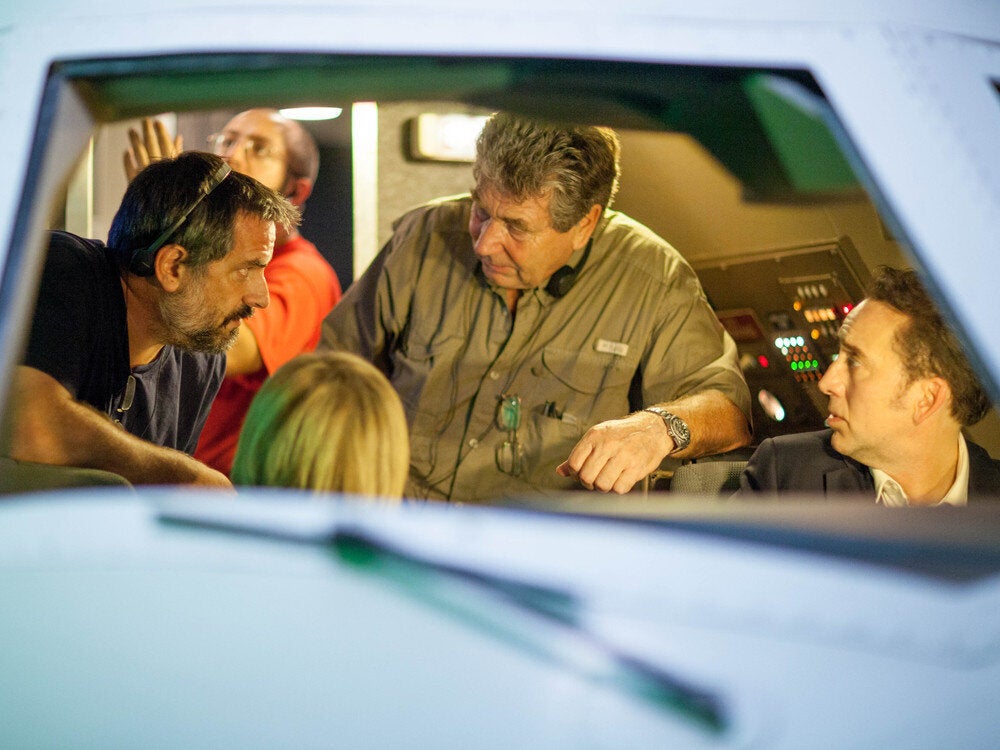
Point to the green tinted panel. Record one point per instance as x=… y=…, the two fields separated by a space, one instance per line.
x=769 y=129
x=129 y=88
x=796 y=124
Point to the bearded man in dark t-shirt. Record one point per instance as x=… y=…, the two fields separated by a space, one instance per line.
x=127 y=347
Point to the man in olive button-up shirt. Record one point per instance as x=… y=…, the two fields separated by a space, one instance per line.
x=526 y=326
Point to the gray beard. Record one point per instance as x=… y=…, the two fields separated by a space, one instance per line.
x=179 y=331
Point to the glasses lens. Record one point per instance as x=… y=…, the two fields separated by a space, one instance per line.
x=253 y=149
x=509 y=413
x=219 y=143
x=510 y=457
x=259 y=150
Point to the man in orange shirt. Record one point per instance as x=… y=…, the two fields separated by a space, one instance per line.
x=279 y=153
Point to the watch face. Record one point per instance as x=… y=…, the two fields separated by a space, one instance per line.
x=679 y=432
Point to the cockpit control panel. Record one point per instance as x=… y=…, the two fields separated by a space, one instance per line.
x=784 y=309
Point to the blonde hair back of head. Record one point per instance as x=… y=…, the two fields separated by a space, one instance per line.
x=327 y=422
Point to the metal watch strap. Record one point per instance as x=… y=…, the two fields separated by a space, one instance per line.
x=677 y=428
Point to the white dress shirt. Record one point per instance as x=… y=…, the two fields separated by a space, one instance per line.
x=889 y=493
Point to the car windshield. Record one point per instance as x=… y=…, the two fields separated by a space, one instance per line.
x=748 y=172
x=784 y=166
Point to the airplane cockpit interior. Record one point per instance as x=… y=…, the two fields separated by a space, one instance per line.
x=747 y=172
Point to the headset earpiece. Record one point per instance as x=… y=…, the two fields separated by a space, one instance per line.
x=563 y=280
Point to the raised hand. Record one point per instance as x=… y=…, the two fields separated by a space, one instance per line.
x=154 y=143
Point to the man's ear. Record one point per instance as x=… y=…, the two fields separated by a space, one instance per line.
x=584 y=228
x=298 y=190
x=934 y=394
x=169 y=266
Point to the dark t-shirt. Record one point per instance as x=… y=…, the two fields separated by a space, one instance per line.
x=79 y=336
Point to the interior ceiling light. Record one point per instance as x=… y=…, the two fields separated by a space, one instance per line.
x=311 y=113
x=445 y=137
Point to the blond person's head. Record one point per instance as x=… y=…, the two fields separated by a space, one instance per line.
x=325 y=422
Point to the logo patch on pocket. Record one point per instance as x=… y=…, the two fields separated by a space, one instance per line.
x=618 y=348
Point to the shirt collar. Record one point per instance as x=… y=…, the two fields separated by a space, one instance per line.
x=889 y=493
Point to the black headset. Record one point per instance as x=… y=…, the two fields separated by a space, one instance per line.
x=563 y=280
x=142 y=258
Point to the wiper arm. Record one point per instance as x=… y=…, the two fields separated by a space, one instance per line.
x=555 y=632
x=565 y=640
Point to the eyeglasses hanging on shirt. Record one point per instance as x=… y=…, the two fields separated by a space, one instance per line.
x=127 y=398
x=510 y=453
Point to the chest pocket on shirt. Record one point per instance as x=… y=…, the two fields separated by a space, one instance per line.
x=588 y=372
x=587 y=387
x=423 y=374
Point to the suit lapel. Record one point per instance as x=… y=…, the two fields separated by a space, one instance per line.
x=984 y=474
x=845 y=475
x=847 y=478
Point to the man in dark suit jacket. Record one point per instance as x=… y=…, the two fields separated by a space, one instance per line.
x=808 y=463
x=900 y=391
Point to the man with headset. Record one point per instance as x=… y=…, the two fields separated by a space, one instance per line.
x=127 y=346
x=527 y=326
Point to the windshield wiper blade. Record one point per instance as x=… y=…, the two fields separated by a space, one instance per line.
x=566 y=641
x=554 y=631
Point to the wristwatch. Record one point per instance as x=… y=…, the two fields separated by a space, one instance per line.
x=676 y=427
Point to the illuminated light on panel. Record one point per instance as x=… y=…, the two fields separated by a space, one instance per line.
x=763 y=361
x=801 y=365
x=846 y=308
x=771 y=405
x=814 y=334
x=797 y=305
x=819 y=314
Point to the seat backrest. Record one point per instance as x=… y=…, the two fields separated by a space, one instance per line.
x=708 y=477
x=25 y=476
